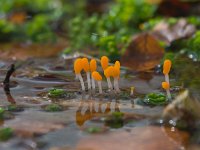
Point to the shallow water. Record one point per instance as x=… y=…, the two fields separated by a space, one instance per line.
x=142 y=126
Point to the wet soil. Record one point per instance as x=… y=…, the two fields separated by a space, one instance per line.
x=82 y=123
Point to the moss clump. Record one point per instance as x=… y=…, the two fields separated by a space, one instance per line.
x=60 y=93
x=182 y=124
x=94 y=130
x=56 y=93
x=14 y=108
x=155 y=99
x=115 y=120
x=125 y=96
x=53 y=108
x=1 y=113
x=5 y=134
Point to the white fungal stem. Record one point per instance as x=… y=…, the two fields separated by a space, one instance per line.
x=132 y=91
x=116 y=84
x=76 y=77
x=167 y=78
x=88 y=80
x=100 y=87
x=110 y=87
x=169 y=94
x=93 y=84
x=81 y=80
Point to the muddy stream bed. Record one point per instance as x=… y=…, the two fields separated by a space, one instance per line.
x=85 y=121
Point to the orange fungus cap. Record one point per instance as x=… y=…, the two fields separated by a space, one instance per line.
x=165 y=85
x=108 y=71
x=96 y=76
x=85 y=64
x=104 y=62
x=93 y=65
x=167 y=66
x=117 y=64
x=116 y=72
x=77 y=66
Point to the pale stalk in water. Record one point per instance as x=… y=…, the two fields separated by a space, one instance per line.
x=81 y=80
x=132 y=91
x=93 y=84
x=110 y=87
x=168 y=94
x=100 y=87
x=167 y=78
x=88 y=80
x=116 y=84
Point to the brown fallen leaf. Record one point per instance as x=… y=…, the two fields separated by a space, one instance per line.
x=139 y=138
x=143 y=53
x=17 y=17
x=30 y=128
x=166 y=33
x=23 y=51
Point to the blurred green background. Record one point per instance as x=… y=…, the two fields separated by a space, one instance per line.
x=107 y=25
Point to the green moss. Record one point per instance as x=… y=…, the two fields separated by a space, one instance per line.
x=125 y=96
x=187 y=73
x=195 y=20
x=1 y=113
x=93 y=129
x=53 y=108
x=182 y=124
x=117 y=115
x=60 y=93
x=56 y=93
x=155 y=99
x=193 y=46
x=14 y=108
x=5 y=134
x=115 y=120
x=111 y=31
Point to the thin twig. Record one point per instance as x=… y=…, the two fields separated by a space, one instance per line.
x=6 y=84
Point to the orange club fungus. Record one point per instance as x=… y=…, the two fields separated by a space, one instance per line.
x=96 y=76
x=86 y=68
x=104 y=62
x=166 y=69
x=93 y=67
x=78 y=68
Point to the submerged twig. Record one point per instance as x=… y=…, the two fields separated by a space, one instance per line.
x=6 y=84
x=8 y=74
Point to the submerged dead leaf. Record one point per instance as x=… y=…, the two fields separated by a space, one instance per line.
x=30 y=128
x=139 y=138
x=166 y=33
x=143 y=53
